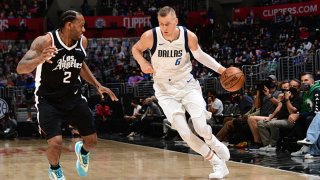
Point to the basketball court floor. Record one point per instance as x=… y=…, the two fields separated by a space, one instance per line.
x=124 y=158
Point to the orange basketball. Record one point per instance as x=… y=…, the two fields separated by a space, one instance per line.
x=232 y=79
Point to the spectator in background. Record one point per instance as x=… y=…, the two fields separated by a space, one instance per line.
x=29 y=89
x=22 y=29
x=153 y=110
x=289 y=103
x=153 y=113
x=85 y=8
x=215 y=105
x=134 y=119
x=134 y=79
x=102 y=111
x=273 y=79
x=8 y=127
x=245 y=104
x=269 y=94
x=136 y=110
x=306 y=114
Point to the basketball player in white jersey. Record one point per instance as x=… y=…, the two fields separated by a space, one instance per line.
x=58 y=58
x=175 y=87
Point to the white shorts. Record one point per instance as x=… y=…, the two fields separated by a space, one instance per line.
x=177 y=97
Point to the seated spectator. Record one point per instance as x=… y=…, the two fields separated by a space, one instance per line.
x=103 y=111
x=135 y=114
x=245 y=104
x=134 y=120
x=289 y=103
x=153 y=110
x=306 y=116
x=8 y=127
x=151 y=114
x=215 y=106
x=269 y=95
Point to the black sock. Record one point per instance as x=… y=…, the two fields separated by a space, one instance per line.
x=83 y=151
x=55 y=167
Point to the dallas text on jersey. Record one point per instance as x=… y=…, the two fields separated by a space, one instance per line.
x=169 y=53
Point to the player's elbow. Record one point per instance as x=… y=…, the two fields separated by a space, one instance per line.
x=134 y=49
x=20 y=70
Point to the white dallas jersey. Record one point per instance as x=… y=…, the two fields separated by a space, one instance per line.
x=171 y=60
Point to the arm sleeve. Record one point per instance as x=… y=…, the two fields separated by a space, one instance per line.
x=205 y=59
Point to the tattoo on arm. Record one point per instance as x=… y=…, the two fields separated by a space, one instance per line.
x=36 y=48
x=30 y=55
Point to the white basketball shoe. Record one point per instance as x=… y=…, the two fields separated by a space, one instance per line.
x=220 y=170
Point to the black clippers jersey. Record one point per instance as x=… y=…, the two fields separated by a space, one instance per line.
x=62 y=77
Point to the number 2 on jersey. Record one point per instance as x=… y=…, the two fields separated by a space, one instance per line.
x=67 y=76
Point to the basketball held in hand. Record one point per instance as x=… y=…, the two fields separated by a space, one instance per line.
x=232 y=79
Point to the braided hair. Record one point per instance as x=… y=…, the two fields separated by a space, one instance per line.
x=67 y=16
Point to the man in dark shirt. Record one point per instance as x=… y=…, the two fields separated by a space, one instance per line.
x=289 y=103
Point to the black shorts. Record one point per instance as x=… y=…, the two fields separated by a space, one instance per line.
x=52 y=115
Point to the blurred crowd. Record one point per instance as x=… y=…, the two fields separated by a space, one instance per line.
x=111 y=61
x=22 y=8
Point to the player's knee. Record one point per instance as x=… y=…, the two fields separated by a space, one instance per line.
x=90 y=142
x=203 y=131
x=55 y=142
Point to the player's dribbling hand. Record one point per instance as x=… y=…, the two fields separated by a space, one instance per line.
x=48 y=53
x=147 y=68
x=102 y=89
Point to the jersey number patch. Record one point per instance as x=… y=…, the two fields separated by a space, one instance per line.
x=67 y=76
x=177 y=61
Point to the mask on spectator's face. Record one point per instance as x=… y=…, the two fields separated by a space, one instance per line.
x=293 y=90
x=305 y=87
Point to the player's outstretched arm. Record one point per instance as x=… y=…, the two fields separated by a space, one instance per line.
x=41 y=51
x=201 y=56
x=139 y=47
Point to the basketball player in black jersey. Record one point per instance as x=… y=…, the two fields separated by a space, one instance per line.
x=58 y=58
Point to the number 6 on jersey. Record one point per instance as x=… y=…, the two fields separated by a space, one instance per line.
x=178 y=61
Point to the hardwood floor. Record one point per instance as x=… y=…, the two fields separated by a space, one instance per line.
x=25 y=159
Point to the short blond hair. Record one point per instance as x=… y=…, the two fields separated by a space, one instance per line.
x=164 y=11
